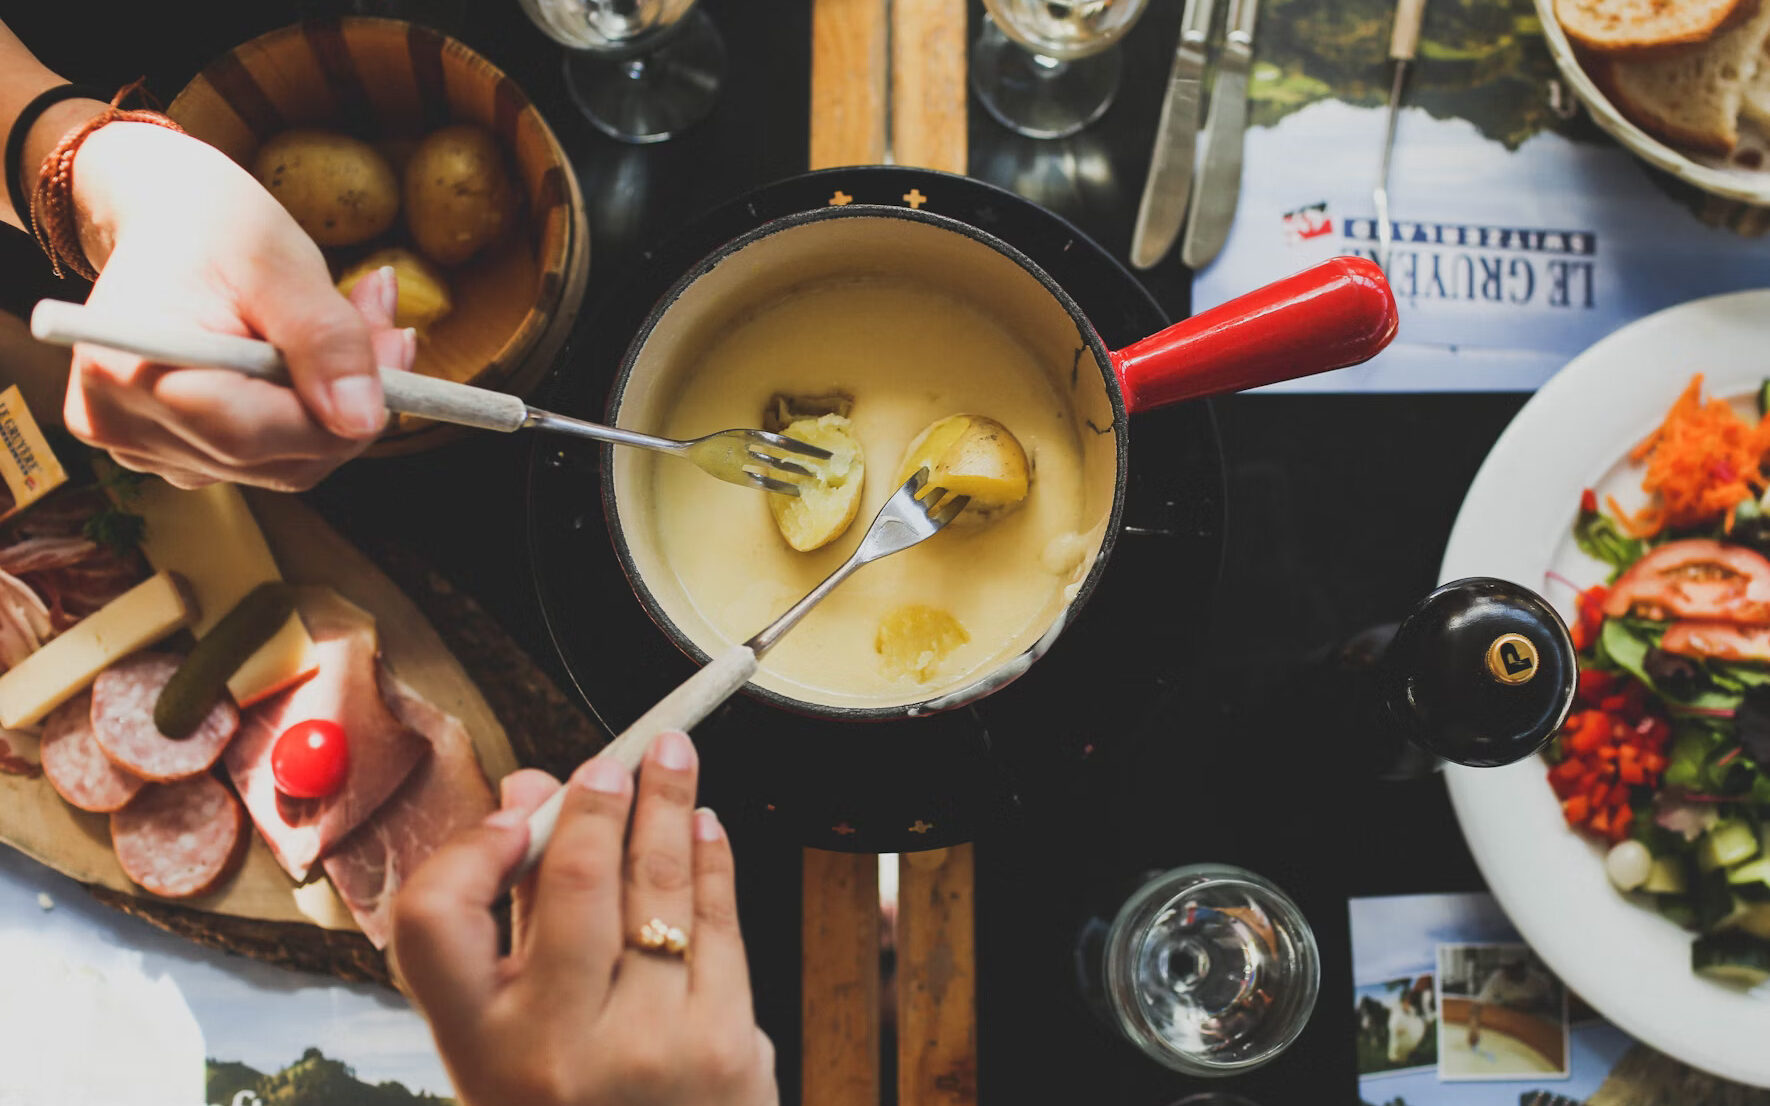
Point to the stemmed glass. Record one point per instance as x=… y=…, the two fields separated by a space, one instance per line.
x=1048 y=68
x=1209 y=969
x=641 y=70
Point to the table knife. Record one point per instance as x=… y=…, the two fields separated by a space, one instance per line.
x=1169 y=184
x=1217 y=184
x=1404 y=40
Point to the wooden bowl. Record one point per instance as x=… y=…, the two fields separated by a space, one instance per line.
x=385 y=80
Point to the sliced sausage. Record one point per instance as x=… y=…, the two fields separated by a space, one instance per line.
x=123 y=699
x=76 y=767
x=178 y=839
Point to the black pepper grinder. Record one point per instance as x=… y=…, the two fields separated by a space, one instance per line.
x=1482 y=672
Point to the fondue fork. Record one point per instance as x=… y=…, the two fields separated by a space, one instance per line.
x=735 y=456
x=908 y=518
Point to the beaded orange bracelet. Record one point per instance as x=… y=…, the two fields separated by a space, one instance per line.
x=53 y=214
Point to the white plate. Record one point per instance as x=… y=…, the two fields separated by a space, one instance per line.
x=1707 y=172
x=1632 y=965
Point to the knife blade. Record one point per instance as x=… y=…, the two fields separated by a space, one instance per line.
x=1217 y=186
x=1169 y=184
x=1404 y=41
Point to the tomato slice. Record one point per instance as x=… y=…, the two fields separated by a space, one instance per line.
x=310 y=759
x=1722 y=641
x=1696 y=578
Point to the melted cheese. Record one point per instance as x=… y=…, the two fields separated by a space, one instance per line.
x=908 y=356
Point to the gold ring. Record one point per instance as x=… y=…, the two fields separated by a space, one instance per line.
x=662 y=939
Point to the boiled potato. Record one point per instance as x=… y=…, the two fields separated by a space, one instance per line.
x=824 y=507
x=458 y=195
x=975 y=456
x=423 y=293
x=912 y=640
x=339 y=190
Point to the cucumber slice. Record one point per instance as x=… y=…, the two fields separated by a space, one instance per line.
x=1732 y=958
x=1666 y=877
x=1716 y=905
x=1729 y=843
x=1752 y=871
x=1752 y=918
x=1677 y=909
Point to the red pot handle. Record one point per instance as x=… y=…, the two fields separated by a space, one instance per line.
x=1338 y=313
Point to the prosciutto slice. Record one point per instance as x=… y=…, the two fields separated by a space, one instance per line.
x=446 y=793
x=24 y=621
x=383 y=749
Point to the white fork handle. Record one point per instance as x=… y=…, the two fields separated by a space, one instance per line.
x=682 y=709
x=63 y=324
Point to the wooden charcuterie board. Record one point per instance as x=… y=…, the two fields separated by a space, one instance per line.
x=260 y=905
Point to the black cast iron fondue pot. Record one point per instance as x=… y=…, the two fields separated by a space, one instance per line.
x=1336 y=314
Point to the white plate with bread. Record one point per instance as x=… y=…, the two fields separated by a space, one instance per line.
x=1684 y=84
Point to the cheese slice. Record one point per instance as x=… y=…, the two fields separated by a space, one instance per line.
x=209 y=537
x=68 y=663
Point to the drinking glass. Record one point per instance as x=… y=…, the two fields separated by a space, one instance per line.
x=1209 y=969
x=1048 y=68
x=641 y=70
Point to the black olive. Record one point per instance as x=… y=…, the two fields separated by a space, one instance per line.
x=1673 y=675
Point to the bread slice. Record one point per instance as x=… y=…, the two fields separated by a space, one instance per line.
x=1755 y=106
x=1693 y=97
x=1635 y=27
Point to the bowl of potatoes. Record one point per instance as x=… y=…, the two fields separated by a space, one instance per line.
x=392 y=144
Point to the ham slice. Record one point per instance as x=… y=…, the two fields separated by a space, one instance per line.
x=445 y=794
x=25 y=622
x=344 y=689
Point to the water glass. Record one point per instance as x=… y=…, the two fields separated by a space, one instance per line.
x=640 y=70
x=1048 y=68
x=1209 y=969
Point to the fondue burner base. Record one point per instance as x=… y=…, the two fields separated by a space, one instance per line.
x=924 y=783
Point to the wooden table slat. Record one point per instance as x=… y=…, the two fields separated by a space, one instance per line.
x=848 y=73
x=839 y=997
x=936 y=979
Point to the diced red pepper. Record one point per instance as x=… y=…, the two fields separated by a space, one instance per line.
x=1588 y=502
x=1577 y=809
x=1593 y=686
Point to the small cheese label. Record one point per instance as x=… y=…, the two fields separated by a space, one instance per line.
x=27 y=466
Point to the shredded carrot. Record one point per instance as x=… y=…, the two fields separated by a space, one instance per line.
x=1703 y=461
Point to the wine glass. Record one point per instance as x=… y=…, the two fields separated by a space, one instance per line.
x=1209 y=969
x=641 y=70
x=1048 y=68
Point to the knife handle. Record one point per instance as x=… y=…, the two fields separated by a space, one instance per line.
x=1404 y=37
x=1240 y=29
x=1195 y=23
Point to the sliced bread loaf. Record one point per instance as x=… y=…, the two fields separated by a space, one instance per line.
x=1693 y=97
x=1756 y=104
x=1642 y=26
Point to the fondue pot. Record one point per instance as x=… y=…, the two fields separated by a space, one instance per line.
x=924 y=773
x=1336 y=314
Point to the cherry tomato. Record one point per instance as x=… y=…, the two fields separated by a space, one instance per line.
x=310 y=759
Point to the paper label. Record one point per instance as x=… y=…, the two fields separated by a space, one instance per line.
x=27 y=466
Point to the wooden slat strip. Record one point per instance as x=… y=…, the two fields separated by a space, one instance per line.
x=928 y=84
x=937 y=979
x=839 y=991
x=848 y=66
x=936 y=924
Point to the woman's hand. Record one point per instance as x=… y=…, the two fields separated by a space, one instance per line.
x=180 y=232
x=573 y=1015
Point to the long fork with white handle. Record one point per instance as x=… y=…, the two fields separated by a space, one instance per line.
x=912 y=515
x=736 y=456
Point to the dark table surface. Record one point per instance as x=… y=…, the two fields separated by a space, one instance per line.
x=1338 y=508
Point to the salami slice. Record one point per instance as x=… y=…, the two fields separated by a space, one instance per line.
x=123 y=700
x=178 y=839
x=76 y=767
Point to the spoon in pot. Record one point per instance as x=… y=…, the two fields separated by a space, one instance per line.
x=740 y=457
x=913 y=514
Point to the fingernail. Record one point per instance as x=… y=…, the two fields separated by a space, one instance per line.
x=411 y=334
x=603 y=774
x=706 y=825
x=389 y=290
x=673 y=751
x=505 y=819
x=356 y=401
